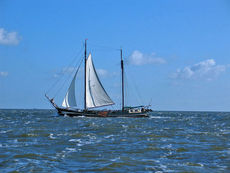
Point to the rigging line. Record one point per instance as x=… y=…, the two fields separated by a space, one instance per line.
x=64 y=81
x=126 y=88
x=105 y=47
x=119 y=104
x=138 y=95
x=137 y=91
x=126 y=60
x=150 y=102
x=69 y=66
x=130 y=88
x=63 y=72
x=69 y=77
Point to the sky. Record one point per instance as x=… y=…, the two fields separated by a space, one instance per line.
x=176 y=52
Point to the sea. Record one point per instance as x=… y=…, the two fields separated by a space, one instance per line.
x=42 y=141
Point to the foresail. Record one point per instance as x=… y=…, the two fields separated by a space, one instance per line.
x=70 y=100
x=96 y=95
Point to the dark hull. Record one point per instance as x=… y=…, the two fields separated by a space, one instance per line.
x=102 y=114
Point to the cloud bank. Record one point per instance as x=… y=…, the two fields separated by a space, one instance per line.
x=138 y=58
x=8 y=38
x=207 y=69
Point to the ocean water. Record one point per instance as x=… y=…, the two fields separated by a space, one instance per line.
x=42 y=141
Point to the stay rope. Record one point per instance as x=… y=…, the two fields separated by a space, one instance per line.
x=62 y=74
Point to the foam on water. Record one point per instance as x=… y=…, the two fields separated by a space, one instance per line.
x=51 y=136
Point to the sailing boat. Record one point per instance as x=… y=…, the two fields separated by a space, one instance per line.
x=95 y=96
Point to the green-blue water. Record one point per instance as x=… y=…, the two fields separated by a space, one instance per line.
x=41 y=141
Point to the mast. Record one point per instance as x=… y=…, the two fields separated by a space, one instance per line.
x=122 y=79
x=85 y=76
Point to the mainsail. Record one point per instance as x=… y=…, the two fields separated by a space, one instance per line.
x=70 y=100
x=96 y=95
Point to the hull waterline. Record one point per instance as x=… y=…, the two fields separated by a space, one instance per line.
x=102 y=114
x=99 y=113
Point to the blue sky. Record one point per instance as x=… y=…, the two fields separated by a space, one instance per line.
x=176 y=52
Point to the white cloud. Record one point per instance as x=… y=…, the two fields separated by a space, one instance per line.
x=8 y=38
x=138 y=58
x=3 y=73
x=203 y=70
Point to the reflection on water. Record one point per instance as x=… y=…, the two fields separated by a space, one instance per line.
x=41 y=141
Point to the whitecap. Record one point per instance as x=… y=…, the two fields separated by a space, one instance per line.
x=115 y=159
x=28 y=122
x=158 y=117
x=51 y=136
x=91 y=137
x=124 y=126
x=109 y=136
x=75 y=140
x=167 y=146
x=80 y=144
x=71 y=149
x=5 y=131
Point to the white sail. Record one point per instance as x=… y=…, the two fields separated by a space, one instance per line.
x=70 y=100
x=96 y=95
